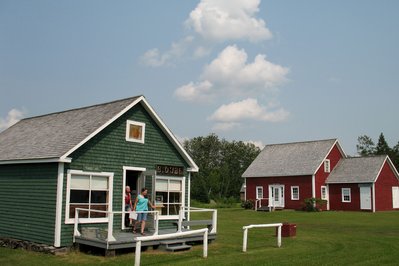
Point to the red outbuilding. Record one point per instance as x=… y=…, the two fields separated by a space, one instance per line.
x=364 y=183
x=283 y=175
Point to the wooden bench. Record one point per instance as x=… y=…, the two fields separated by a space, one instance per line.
x=208 y=223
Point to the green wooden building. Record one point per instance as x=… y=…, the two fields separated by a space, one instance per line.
x=83 y=158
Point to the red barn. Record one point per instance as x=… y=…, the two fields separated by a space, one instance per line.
x=364 y=183
x=283 y=175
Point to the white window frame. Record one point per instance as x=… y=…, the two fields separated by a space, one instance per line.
x=395 y=197
x=135 y=123
x=292 y=192
x=327 y=166
x=346 y=192
x=183 y=194
x=325 y=197
x=68 y=195
x=257 y=192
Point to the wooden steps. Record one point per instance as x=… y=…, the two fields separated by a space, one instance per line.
x=175 y=245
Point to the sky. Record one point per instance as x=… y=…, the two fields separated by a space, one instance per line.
x=265 y=72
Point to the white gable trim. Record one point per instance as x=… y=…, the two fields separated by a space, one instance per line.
x=329 y=151
x=102 y=127
x=391 y=165
x=165 y=129
x=171 y=137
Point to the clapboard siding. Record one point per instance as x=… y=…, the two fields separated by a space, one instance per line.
x=28 y=201
x=108 y=151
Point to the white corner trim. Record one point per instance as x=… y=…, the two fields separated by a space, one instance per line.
x=58 y=208
x=373 y=188
x=189 y=195
x=313 y=186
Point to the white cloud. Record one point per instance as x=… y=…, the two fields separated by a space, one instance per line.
x=222 y=20
x=248 y=109
x=215 y=21
x=155 y=58
x=231 y=75
x=257 y=143
x=195 y=91
x=13 y=116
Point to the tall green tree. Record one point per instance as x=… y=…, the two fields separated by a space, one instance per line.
x=221 y=164
x=382 y=146
x=365 y=146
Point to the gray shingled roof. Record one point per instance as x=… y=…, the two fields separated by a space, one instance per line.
x=290 y=159
x=53 y=135
x=357 y=170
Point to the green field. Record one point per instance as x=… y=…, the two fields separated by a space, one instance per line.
x=324 y=238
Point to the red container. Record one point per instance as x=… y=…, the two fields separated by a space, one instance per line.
x=287 y=230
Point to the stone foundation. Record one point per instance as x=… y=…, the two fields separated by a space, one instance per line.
x=22 y=244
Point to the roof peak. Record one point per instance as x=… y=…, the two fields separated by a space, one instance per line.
x=306 y=141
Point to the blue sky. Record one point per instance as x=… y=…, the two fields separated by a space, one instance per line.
x=262 y=71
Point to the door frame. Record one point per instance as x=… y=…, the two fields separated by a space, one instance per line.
x=125 y=169
x=282 y=195
x=367 y=208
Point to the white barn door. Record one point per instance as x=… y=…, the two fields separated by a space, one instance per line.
x=395 y=197
x=365 y=198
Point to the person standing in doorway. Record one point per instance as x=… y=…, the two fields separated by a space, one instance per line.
x=128 y=206
x=141 y=204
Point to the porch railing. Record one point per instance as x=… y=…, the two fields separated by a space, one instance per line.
x=110 y=221
x=270 y=203
x=189 y=210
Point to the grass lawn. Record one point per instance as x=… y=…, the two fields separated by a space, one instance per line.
x=327 y=238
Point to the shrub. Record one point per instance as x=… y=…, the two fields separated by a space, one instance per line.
x=314 y=204
x=248 y=204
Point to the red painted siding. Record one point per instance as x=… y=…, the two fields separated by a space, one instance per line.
x=383 y=187
x=335 y=194
x=334 y=156
x=304 y=183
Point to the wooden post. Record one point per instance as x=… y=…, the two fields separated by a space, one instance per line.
x=214 y=221
x=75 y=228
x=205 y=244
x=110 y=236
x=279 y=236
x=179 y=225
x=245 y=239
x=137 y=254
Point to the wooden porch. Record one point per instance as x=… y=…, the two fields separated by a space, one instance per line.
x=111 y=240
x=126 y=240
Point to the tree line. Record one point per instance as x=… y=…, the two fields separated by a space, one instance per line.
x=221 y=165
x=367 y=147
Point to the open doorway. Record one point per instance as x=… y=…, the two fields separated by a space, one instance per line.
x=132 y=177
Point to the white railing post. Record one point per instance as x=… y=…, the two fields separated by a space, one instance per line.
x=205 y=244
x=279 y=236
x=245 y=239
x=138 y=253
x=214 y=221
x=179 y=226
x=156 y=222
x=110 y=236
x=246 y=228
x=75 y=228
